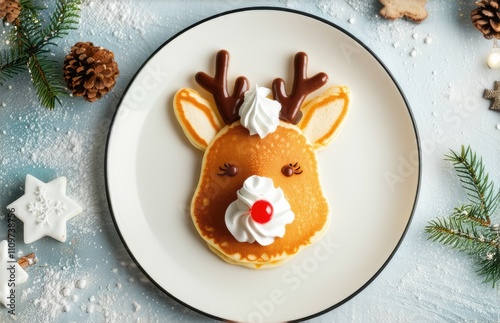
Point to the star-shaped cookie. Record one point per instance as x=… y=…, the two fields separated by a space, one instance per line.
x=44 y=209
x=493 y=95
x=11 y=275
x=411 y=9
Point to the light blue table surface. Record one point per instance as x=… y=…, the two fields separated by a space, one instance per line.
x=439 y=64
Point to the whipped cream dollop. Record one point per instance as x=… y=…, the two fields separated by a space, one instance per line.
x=259 y=114
x=258 y=196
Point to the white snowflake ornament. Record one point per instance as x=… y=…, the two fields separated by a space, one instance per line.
x=11 y=275
x=44 y=209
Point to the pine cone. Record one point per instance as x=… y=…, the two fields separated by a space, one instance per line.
x=486 y=18
x=9 y=10
x=90 y=71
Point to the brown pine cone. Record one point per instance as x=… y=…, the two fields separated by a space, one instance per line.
x=90 y=71
x=486 y=18
x=9 y=10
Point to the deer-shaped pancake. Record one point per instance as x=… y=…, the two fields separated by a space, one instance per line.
x=259 y=199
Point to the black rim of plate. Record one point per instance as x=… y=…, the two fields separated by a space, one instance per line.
x=331 y=24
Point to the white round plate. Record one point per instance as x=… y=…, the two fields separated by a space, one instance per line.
x=370 y=173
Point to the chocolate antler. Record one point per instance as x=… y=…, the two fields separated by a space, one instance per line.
x=302 y=86
x=227 y=105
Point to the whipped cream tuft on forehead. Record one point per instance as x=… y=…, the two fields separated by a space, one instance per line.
x=259 y=114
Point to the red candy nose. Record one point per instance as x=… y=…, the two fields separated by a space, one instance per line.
x=261 y=211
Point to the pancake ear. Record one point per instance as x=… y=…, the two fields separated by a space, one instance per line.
x=323 y=116
x=197 y=117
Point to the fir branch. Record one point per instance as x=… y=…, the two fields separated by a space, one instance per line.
x=29 y=39
x=27 y=26
x=469 y=228
x=489 y=267
x=454 y=232
x=470 y=213
x=31 y=7
x=64 y=19
x=45 y=75
x=12 y=62
x=475 y=181
x=489 y=264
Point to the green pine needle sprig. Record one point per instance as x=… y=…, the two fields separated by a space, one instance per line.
x=475 y=181
x=64 y=19
x=30 y=39
x=45 y=76
x=470 y=227
x=12 y=62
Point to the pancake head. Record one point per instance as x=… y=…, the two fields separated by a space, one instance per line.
x=285 y=149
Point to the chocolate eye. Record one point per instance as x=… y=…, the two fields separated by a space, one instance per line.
x=290 y=169
x=229 y=170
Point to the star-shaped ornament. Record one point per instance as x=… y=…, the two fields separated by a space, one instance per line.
x=493 y=95
x=11 y=275
x=44 y=209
